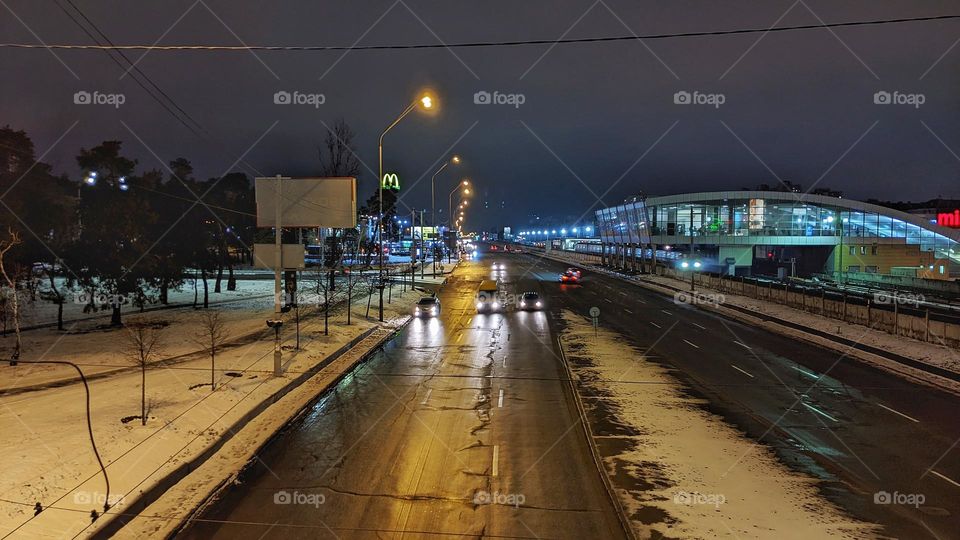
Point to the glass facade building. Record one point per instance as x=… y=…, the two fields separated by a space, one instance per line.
x=771 y=218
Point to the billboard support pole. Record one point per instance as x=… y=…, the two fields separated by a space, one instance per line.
x=278 y=263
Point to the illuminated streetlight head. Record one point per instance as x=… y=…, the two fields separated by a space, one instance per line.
x=455 y=160
x=465 y=182
x=466 y=191
x=426 y=101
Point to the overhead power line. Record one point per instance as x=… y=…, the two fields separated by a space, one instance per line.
x=477 y=44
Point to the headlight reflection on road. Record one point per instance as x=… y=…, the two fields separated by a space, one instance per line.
x=426 y=332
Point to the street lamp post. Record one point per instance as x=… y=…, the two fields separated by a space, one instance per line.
x=427 y=103
x=433 y=205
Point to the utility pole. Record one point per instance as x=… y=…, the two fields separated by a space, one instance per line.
x=423 y=245
x=277 y=270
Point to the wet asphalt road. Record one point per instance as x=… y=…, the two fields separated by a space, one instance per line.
x=462 y=426
x=860 y=429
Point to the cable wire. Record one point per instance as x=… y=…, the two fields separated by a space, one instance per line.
x=478 y=44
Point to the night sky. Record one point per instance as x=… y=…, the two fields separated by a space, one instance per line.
x=598 y=120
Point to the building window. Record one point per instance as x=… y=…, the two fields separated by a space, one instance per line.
x=863 y=250
x=873 y=250
x=870 y=269
x=853 y=268
x=853 y=250
x=941 y=268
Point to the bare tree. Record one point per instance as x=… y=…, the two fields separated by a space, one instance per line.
x=141 y=345
x=211 y=335
x=338 y=155
x=10 y=281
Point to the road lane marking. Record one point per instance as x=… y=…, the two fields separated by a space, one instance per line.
x=742 y=371
x=698 y=326
x=655 y=324
x=504 y=363
x=500 y=401
x=818 y=411
x=944 y=477
x=667 y=312
x=805 y=372
x=628 y=311
x=496 y=459
x=741 y=344
x=897 y=412
x=460 y=337
x=691 y=344
x=427 y=398
x=607 y=300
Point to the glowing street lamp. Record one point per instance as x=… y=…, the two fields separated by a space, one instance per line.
x=426 y=102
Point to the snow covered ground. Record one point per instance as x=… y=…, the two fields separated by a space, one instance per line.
x=702 y=478
x=48 y=457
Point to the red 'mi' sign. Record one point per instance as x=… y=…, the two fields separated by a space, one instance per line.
x=949 y=219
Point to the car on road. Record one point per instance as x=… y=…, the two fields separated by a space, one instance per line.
x=488 y=296
x=575 y=270
x=428 y=306
x=498 y=266
x=494 y=248
x=531 y=301
x=569 y=277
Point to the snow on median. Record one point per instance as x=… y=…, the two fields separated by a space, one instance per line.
x=693 y=475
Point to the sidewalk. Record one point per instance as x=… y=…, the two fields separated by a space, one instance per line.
x=49 y=456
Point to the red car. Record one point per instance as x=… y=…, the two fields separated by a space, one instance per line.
x=494 y=248
x=569 y=277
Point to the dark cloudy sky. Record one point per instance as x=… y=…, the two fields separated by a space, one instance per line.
x=598 y=120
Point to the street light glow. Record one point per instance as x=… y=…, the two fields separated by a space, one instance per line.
x=426 y=101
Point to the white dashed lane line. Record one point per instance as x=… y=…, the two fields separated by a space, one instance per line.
x=655 y=324
x=628 y=311
x=944 y=477
x=698 y=326
x=427 y=398
x=741 y=344
x=818 y=411
x=748 y=374
x=500 y=401
x=496 y=460
x=694 y=345
x=667 y=312
x=897 y=412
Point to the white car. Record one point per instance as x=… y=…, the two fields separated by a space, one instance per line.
x=498 y=266
x=531 y=301
x=428 y=306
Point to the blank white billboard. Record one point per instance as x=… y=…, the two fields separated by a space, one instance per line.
x=308 y=202
x=291 y=256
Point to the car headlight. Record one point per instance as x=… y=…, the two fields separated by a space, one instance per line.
x=433 y=310
x=538 y=304
x=495 y=305
x=479 y=305
x=523 y=304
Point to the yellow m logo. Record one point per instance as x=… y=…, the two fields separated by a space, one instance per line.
x=390 y=181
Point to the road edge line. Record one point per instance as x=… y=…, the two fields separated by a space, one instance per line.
x=594 y=450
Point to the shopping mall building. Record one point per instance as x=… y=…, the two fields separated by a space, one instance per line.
x=780 y=233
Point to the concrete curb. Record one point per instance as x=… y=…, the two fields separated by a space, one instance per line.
x=154 y=493
x=594 y=450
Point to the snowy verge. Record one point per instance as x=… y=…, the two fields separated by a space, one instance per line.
x=201 y=482
x=680 y=471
